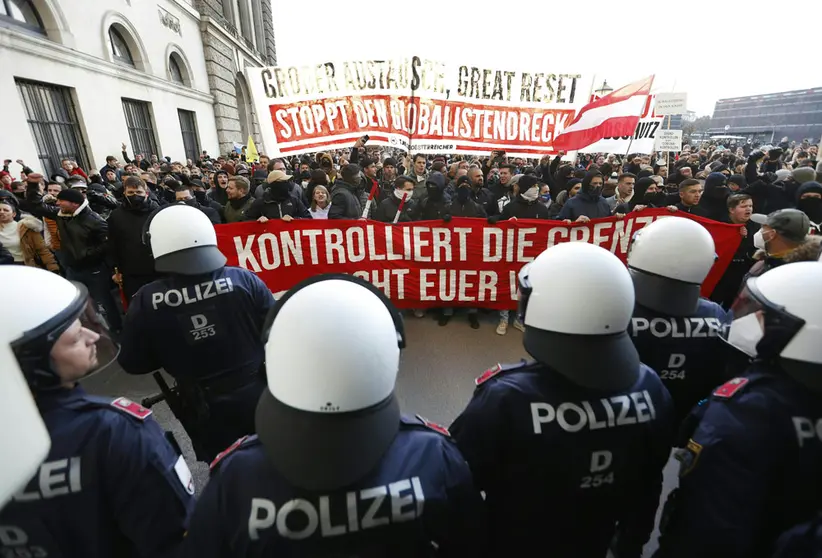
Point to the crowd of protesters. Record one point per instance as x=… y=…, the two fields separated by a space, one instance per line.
x=89 y=225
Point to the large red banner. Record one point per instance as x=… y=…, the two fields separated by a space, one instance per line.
x=464 y=262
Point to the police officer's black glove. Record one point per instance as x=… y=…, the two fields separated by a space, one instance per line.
x=447 y=217
x=494 y=219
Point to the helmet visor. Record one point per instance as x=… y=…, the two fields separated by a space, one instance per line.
x=753 y=317
x=73 y=344
x=525 y=288
x=93 y=327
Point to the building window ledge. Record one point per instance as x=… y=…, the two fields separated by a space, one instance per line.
x=44 y=48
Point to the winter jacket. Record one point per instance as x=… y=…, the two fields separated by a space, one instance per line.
x=523 y=209
x=35 y=253
x=807 y=251
x=692 y=209
x=234 y=211
x=345 y=203
x=585 y=204
x=470 y=208
x=125 y=234
x=714 y=201
x=83 y=236
x=277 y=209
x=388 y=207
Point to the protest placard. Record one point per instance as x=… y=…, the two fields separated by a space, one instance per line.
x=415 y=104
x=671 y=103
x=669 y=140
x=465 y=262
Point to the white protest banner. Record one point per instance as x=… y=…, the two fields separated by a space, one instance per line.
x=671 y=103
x=415 y=104
x=669 y=140
x=647 y=128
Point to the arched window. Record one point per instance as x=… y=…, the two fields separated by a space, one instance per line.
x=21 y=13
x=175 y=70
x=119 y=46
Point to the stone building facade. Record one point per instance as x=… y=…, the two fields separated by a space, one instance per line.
x=236 y=34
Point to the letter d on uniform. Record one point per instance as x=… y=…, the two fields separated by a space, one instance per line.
x=199 y=321
x=601 y=460
x=676 y=360
x=258 y=521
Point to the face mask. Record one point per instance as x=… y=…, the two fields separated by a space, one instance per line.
x=399 y=194
x=759 y=241
x=136 y=200
x=545 y=198
x=434 y=193
x=594 y=191
x=278 y=189
x=305 y=184
x=812 y=207
x=200 y=196
x=657 y=199
x=530 y=195
x=463 y=194
x=745 y=333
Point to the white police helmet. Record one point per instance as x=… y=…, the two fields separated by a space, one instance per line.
x=329 y=412
x=576 y=301
x=182 y=240
x=23 y=435
x=33 y=352
x=46 y=306
x=668 y=261
x=779 y=314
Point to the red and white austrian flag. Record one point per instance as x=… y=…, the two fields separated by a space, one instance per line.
x=616 y=114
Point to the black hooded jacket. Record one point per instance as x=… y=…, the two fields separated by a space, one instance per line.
x=656 y=199
x=435 y=205
x=587 y=202
x=125 y=234
x=345 y=202
x=388 y=208
x=714 y=201
x=216 y=193
x=811 y=206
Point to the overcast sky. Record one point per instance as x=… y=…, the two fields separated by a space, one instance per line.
x=702 y=47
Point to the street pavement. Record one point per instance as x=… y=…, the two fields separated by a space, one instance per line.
x=436 y=378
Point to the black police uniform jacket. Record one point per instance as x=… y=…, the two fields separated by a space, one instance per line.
x=750 y=470
x=419 y=498
x=111 y=485
x=206 y=329
x=687 y=352
x=561 y=465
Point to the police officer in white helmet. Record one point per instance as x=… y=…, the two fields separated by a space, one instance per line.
x=675 y=331
x=750 y=471
x=111 y=484
x=567 y=446
x=335 y=469
x=202 y=323
x=22 y=431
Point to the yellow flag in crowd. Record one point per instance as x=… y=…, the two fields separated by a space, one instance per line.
x=251 y=155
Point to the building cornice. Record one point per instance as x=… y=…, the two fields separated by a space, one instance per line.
x=43 y=48
x=209 y=24
x=183 y=5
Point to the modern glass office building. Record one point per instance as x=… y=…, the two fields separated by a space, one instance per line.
x=769 y=118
